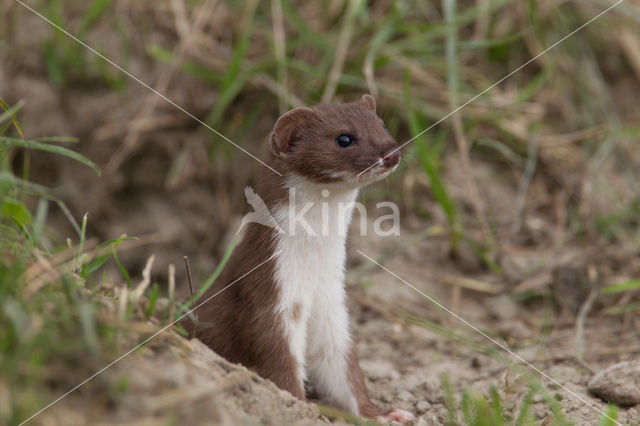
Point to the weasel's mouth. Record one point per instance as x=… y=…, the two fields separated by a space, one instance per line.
x=383 y=169
x=386 y=164
x=379 y=165
x=378 y=168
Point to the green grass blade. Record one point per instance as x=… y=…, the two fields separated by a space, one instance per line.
x=449 y=7
x=191 y=68
x=558 y=417
x=40 y=218
x=609 y=416
x=210 y=280
x=92 y=266
x=304 y=30
x=89 y=331
x=619 y=310
x=117 y=241
x=64 y=139
x=96 y=10
x=9 y=180
x=449 y=400
x=31 y=144
x=524 y=415
x=17 y=211
x=468 y=409
x=121 y=267
x=429 y=156
x=83 y=234
x=496 y=407
x=153 y=298
x=625 y=286
x=67 y=213
x=10 y=112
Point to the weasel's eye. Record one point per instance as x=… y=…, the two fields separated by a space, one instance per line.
x=345 y=141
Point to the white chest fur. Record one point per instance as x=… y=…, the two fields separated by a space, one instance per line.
x=310 y=277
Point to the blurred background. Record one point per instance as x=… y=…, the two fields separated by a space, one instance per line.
x=528 y=195
x=571 y=115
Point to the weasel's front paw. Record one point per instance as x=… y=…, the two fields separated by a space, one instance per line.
x=396 y=415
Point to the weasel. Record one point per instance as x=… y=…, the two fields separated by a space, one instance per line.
x=287 y=319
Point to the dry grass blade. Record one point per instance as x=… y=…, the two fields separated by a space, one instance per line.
x=40 y=274
x=458 y=281
x=180 y=16
x=191 y=293
x=143 y=124
x=342 y=49
x=280 y=49
x=584 y=311
x=172 y=290
x=630 y=43
x=123 y=302
x=422 y=75
x=136 y=127
x=530 y=168
x=278 y=89
x=146 y=280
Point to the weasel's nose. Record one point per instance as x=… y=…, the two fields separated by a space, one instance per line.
x=391 y=159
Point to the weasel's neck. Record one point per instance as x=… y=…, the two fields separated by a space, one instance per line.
x=313 y=210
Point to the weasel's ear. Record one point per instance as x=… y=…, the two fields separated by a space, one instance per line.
x=287 y=130
x=369 y=101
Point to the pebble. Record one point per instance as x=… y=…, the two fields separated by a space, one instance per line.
x=405 y=395
x=378 y=369
x=421 y=422
x=422 y=407
x=618 y=384
x=385 y=397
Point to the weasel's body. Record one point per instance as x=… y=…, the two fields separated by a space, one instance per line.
x=287 y=318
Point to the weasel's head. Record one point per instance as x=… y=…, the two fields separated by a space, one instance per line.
x=336 y=143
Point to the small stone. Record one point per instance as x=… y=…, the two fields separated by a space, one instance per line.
x=378 y=369
x=386 y=398
x=422 y=407
x=618 y=384
x=405 y=396
x=421 y=422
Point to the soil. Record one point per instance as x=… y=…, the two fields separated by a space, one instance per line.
x=405 y=342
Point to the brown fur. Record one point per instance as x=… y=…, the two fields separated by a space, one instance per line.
x=240 y=323
x=296 y=312
x=366 y=407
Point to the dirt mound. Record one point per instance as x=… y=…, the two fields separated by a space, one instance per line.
x=175 y=381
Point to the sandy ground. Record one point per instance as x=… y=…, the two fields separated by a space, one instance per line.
x=174 y=381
